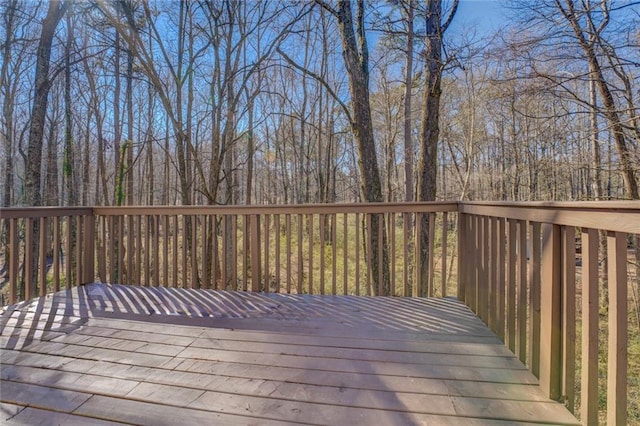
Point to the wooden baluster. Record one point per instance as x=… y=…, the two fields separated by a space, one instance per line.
x=156 y=250
x=56 y=254
x=369 y=249
x=417 y=282
x=80 y=231
x=112 y=263
x=534 y=300
x=165 y=250
x=550 y=370
x=42 y=270
x=14 y=268
x=195 y=276
x=568 y=315
x=357 y=244
x=322 y=219
x=245 y=251
x=255 y=253
x=276 y=225
x=288 y=245
x=486 y=275
x=475 y=261
x=300 y=259
x=310 y=231
x=204 y=253
x=511 y=285
x=432 y=245
x=141 y=237
x=89 y=249
x=267 y=269
x=214 y=253
x=345 y=252
x=121 y=265
x=392 y=250
x=29 y=290
x=174 y=252
x=334 y=246
x=618 y=337
x=590 y=308
x=502 y=252
x=462 y=266
x=185 y=243
x=380 y=258
x=443 y=276
x=405 y=254
x=147 y=248
x=493 y=274
x=522 y=286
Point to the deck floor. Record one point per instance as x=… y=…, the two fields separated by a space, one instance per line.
x=105 y=354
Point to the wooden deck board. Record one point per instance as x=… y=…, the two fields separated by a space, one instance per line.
x=158 y=356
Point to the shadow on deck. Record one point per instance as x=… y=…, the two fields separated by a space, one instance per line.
x=150 y=355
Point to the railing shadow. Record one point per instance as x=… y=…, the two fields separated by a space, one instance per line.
x=315 y=317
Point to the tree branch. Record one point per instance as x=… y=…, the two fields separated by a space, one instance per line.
x=318 y=79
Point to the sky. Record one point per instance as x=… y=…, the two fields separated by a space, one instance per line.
x=485 y=15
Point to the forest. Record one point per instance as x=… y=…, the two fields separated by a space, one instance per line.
x=267 y=102
x=267 y=109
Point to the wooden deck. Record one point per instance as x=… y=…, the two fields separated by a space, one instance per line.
x=103 y=354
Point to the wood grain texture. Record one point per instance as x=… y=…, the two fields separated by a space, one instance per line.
x=153 y=355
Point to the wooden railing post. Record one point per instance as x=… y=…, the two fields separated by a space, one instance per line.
x=13 y=261
x=462 y=266
x=255 y=253
x=550 y=313
x=617 y=353
x=590 y=307
x=89 y=249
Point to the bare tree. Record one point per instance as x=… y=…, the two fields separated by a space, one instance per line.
x=356 y=59
x=430 y=130
x=33 y=192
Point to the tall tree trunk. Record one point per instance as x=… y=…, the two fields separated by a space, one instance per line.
x=9 y=17
x=36 y=128
x=68 y=168
x=129 y=106
x=595 y=143
x=39 y=109
x=610 y=109
x=408 y=117
x=356 y=59
x=51 y=184
x=429 y=130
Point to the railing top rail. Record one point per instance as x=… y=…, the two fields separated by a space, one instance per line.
x=420 y=207
x=623 y=216
x=572 y=205
x=38 y=212
x=620 y=216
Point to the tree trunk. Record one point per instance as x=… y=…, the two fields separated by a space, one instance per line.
x=39 y=109
x=33 y=192
x=68 y=167
x=9 y=16
x=408 y=120
x=356 y=58
x=429 y=130
x=610 y=110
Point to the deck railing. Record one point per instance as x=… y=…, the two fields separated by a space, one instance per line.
x=45 y=249
x=314 y=249
x=535 y=273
